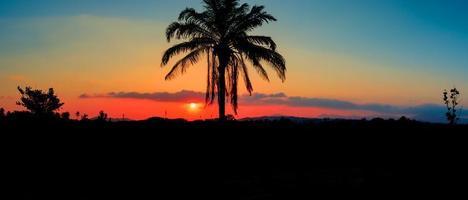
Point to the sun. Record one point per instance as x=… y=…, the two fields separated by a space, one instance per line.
x=193 y=106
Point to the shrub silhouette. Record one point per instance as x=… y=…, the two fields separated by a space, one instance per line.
x=2 y=113
x=230 y=118
x=84 y=117
x=451 y=99
x=102 y=116
x=65 y=116
x=39 y=102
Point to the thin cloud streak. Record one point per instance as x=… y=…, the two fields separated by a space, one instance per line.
x=182 y=96
x=283 y=99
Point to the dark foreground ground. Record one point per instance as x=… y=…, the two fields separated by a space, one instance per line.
x=174 y=159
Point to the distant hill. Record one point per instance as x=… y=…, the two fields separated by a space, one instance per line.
x=114 y=119
x=121 y=120
x=335 y=118
x=275 y=118
x=323 y=118
x=290 y=118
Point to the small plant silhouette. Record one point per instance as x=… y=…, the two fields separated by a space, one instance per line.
x=230 y=118
x=84 y=117
x=102 y=116
x=39 y=102
x=451 y=101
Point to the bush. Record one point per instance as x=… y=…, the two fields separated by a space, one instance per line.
x=39 y=102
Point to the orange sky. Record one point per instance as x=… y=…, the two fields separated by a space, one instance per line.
x=142 y=109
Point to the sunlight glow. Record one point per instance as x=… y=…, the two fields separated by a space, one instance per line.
x=193 y=107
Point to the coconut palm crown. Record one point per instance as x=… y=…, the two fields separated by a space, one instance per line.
x=219 y=34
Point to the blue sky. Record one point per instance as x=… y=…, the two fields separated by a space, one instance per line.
x=428 y=33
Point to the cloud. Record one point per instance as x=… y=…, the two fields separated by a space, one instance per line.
x=182 y=96
x=426 y=112
x=283 y=99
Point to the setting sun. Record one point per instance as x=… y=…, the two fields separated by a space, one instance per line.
x=193 y=106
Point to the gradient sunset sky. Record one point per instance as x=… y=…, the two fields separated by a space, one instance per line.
x=345 y=58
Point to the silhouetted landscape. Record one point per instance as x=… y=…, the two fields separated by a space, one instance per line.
x=159 y=158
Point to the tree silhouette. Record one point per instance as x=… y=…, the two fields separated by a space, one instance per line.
x=84 y=117
x=65 y=116
x=220 y=33
x=102 y=116
x=39 y=102
x=451 y=102
x=2 y=113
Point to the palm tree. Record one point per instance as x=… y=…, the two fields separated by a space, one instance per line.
x=220 y=33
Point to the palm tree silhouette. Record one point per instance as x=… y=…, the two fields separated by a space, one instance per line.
x=220 y=33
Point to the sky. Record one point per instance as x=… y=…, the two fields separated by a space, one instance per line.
x=345 y=58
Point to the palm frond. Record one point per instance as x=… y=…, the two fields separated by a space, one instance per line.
x=257 y=53
x=259 y=67
x=233 y=77
x=254 y=60
x=190 y=13
x=187 y=30
x=245 y=74
x=212 y=88
x=181 y=66
x=212 y=6
x=263 y=41
x=255 y=18
x=183 y=47
x=208 y=78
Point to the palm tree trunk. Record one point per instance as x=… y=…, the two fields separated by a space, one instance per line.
x=223 y=53
x=222 y=94
x=223 y=62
